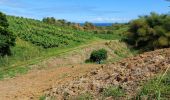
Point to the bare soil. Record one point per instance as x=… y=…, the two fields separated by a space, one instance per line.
x=68 y=74
x=128 y=74
x=33 y=84
x=50 y=73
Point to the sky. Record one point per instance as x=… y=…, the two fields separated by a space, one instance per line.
x=96 y=11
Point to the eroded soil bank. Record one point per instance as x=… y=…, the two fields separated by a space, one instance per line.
x=128 y=74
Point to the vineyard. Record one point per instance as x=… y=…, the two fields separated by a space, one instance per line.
x=45 y=35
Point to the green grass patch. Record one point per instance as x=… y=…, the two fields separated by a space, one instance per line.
x=26 y=54
x=37 y=41
x=85 y=96
x=113 y=91
x=109 y=36
x=4 y=73
x=42 y=97
x=156 y=89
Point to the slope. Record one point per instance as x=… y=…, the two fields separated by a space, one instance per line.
x=121 y=80
x=37 y=41
x=54 y=71
x=46 y=35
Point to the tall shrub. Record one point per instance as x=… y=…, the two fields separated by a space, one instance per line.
x=149 y=32
x=7 y=38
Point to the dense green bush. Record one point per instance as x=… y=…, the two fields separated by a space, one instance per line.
x=49 y=20
x=150 y=32
x=7 y=38
x=53 y=21
x=98 y=55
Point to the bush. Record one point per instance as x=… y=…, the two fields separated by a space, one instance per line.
x=98 y=55
x=149 y=32
x=7 y=38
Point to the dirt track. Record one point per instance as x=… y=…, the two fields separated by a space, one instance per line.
x=44 y=75
x=51 y=73
x=32 y=85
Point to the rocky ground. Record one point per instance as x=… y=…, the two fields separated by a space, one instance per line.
x=128 y=74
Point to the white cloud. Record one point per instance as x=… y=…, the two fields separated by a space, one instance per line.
x=9 y=3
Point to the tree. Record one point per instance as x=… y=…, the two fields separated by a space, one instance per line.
x=89 y=26
x=63 y=22
x=149 y=32
x=49 y=20
x=7 y=38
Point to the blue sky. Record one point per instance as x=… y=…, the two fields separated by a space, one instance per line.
x=98 y=11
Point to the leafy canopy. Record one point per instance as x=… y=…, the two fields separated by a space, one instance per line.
x=150 y=32
x=7 y=38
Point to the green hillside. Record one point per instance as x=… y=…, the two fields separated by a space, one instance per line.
x=37 y=41
x=45 y=35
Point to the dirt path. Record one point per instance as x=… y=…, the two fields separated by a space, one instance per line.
x=44 y=75
x=32 y=85
x=52 y=72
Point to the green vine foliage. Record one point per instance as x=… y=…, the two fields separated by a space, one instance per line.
x=46 y=35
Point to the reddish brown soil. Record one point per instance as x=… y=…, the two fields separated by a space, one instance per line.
x=33 y=84
x=128 y=74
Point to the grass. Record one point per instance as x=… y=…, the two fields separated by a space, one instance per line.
x=109 y=36
x=13 y=72
x=85 y=96
x=119 y=51
x=26 y=54
x=113 y=91
x=156 y=89
x=21 y=52
x=42 y=97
